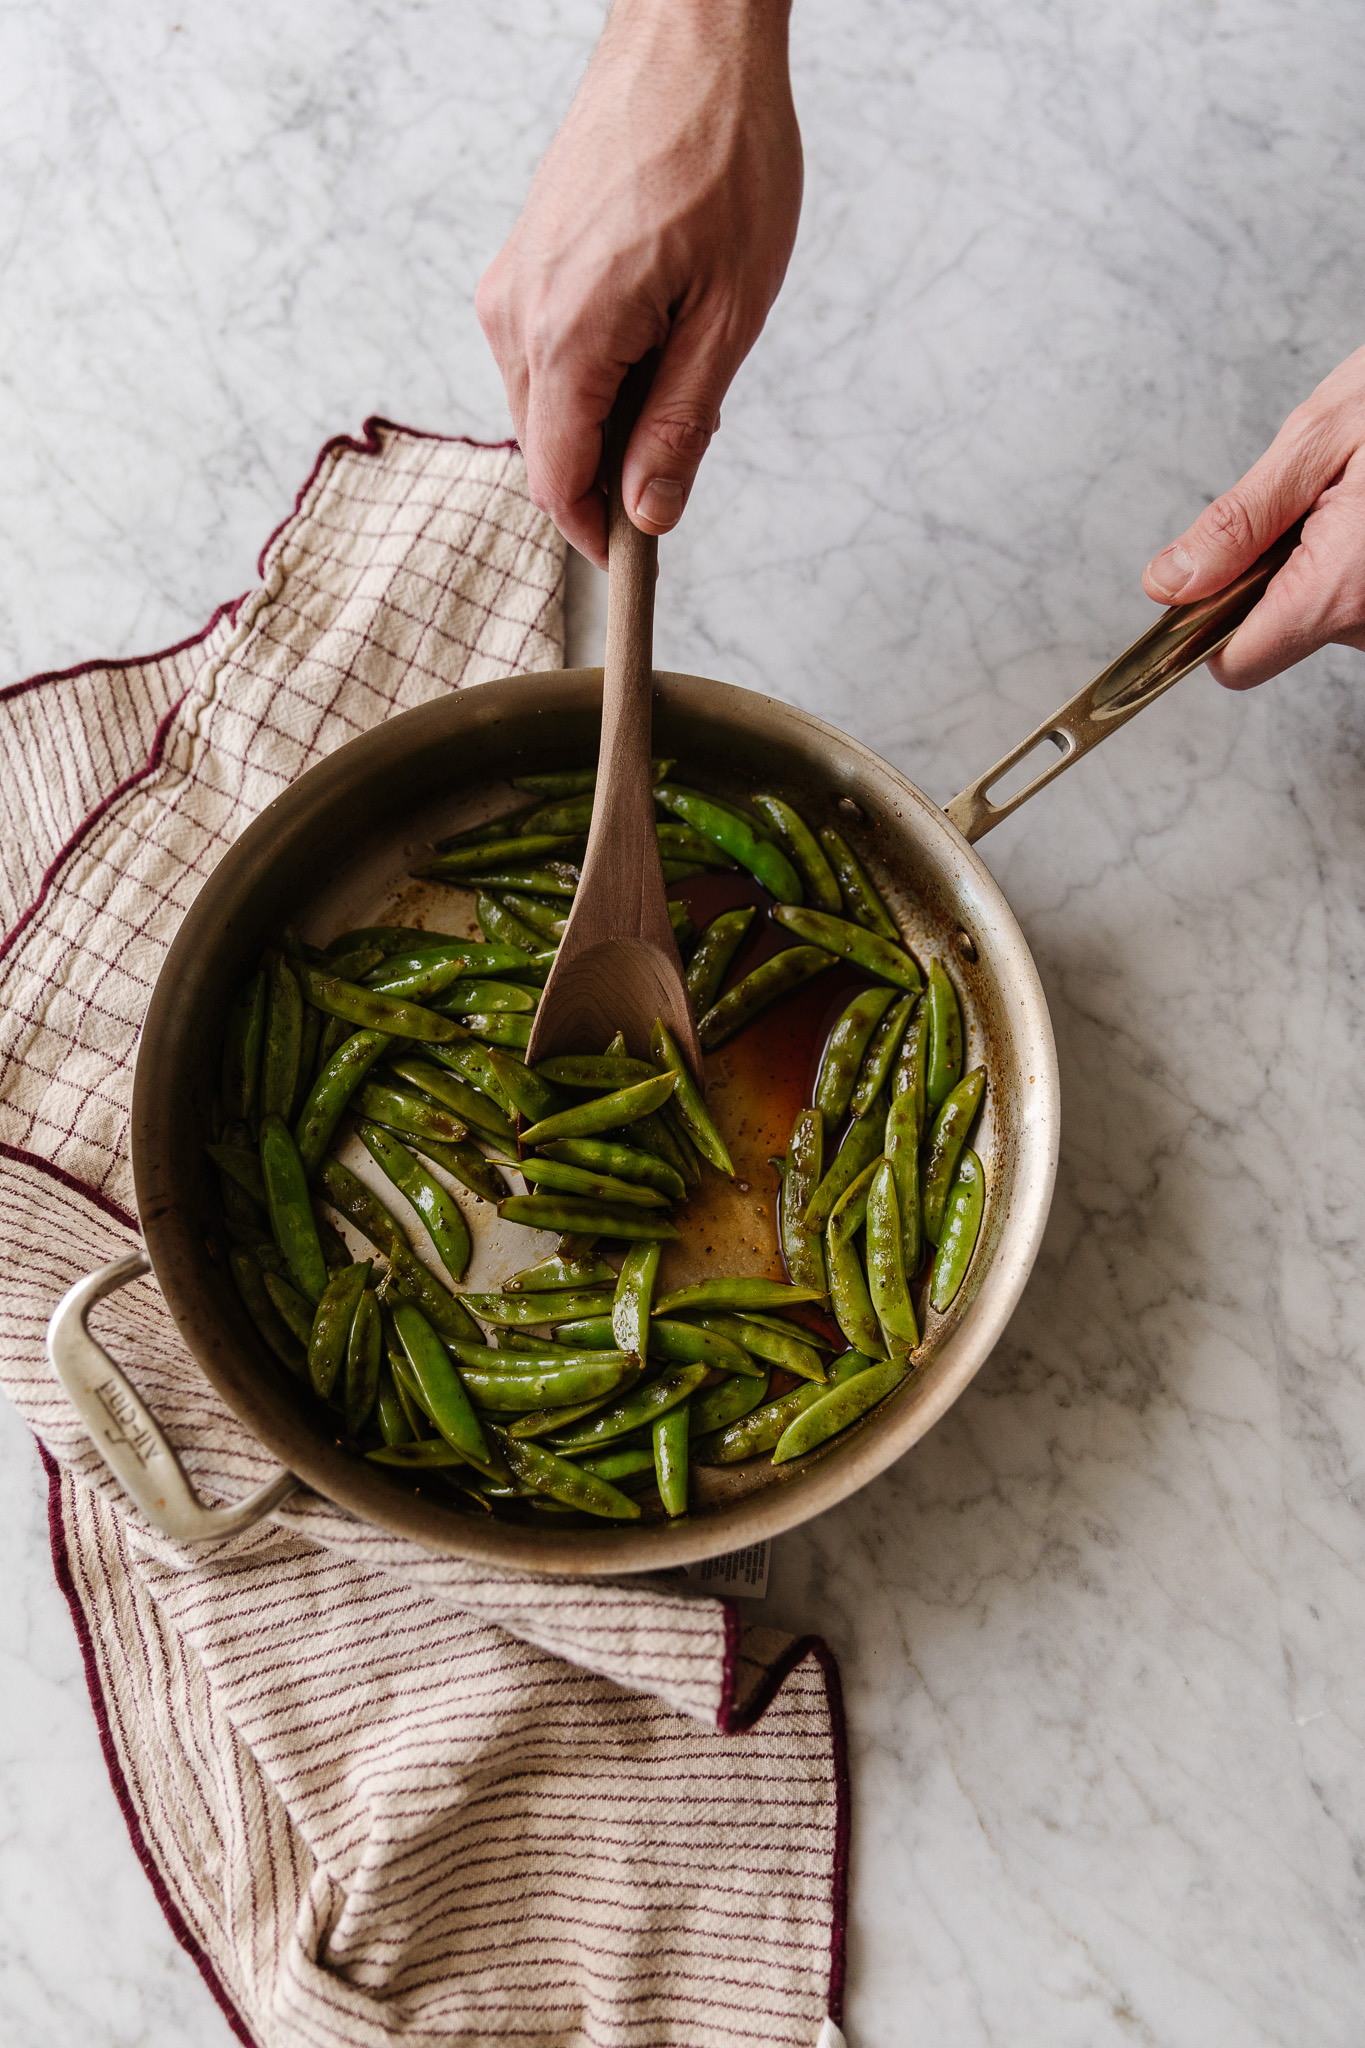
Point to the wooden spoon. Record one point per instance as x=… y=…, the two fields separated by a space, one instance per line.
x=618 y=967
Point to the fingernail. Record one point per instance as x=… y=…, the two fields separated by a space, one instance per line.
x=661 y=501
x=1171 y=570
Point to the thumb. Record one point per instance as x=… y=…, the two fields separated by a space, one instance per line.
x=673 y=432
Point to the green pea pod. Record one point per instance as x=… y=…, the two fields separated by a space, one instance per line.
x=291 y=1216
x=654 y=1134
x=283 y=1037
x=803 y=1251
x=496 y=921
x=556 y=878
x=467 y=860
x=398 y=1109
x=390 y=1413
x=585 y=1219
x=640 y=1409
x=598 y=1071
x=430 y=1454
x=604 y=1113
x=911 y=1069
x=545 y=1421
x=541 y=1469
x=634 y=1295
x=886 y=1279
x=503 y=1077
x=943 y=1067
x=687 y=1101
x=363 y=1208
x=588 y=1333
x=241 y=1165
x=356 y=966
x=677 y=1129
x=868 y=950
x=332 y=1326
x=670 y=1441
x=294 y=1312
x=438 y=1210
x=839 y=1407
x=545 y=919
x=370 y=1011
x=761 y=1340
x=736 y=836
x=528 y=1311
x=618 y=1162
x=389 y=938
x=844 y=1049
x=684 y=931
x=573 y=1385
x=532 y=1355
x=556 y=1273
x=848 y=1292
x=680 y=843
x=901 y=1144
x=764 y=1427
x=335 y=1251
x=759 y=989
x=880 y=1057
x=801 y=844
x=419 y=977
x=334 y=1034
x=250 y=1284
x=593 y=1187
x=861 y=900
x=331 y=1092
x=505 y=827
x=247 y=1222
x=404 y=1386
x=688 y=1343
x=309 y=1036
x=417 y=1283
x=443 y=1392
x=946 y=1141
x=470 y=1105
x=862 y=1144
x=575 y=781
x=734 y=1293
x=486 y=998
x=569 y=814
x=715 y=949
x=783 y=1328
x=496 y=1027
x=466 y=1164
x=626 y=1463
x=721 y=1405
x=242 y=1051
x=362 y=1363
x=961 y=1225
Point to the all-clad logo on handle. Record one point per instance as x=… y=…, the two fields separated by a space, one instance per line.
x=126 y=1416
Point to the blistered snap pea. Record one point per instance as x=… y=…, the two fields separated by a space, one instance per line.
x=566 y=1384
x=507 y=826
x=468 y=999
x=420 y=977
x=438 y=1210
x=309 y=1036
x=670 y=1440
x=543 y=918
x=526 y=1311
x=961 y=1224
x=946 y=1141
x=880 y=1056
x=242 y=1050
x=912 y=1066
x=604 y=1113
x=861 y=900
x=839 y=1407
x=283 y=1037
x=736 y=836
x=748 y=998
x=943 y=1066
x=558 y=1273
x=634 y=1297
x=496 y=921
x=498 y=1027
x=563 y=782
x=556 y=878
x=399 y=1110
x=446 y=1401
x=803 y=1248
x=545 y=1421
x=654 y=1134
x=862 y=1144
x=448 y=1087
x=593 y=1187
x=390 y=1413
x=370 y=1011
x=568 y=814
x=762 y=1429
x=778 y=1347
x=849 y=1298
x=332 y=1091
x=843 y=1055
x=250 y=1285
x=247 y=1222
x=639 y=1409
x=362 y=1363
x=332 y=1326
x=291 y=1214
x=243 y=1166
x=466 y=1164
x=411 y=1277
x=901 y=1145
x=428 y=1454
x=721 y=1405
x=684 y=931
x=626 y=1463
x=886 y=1263
x=681 y=1343
x=866 y=949
x=599 y=1071
x=294 y=1312
x=503 y=1077
x=715 y=949
x=686 y=1101
x=541 y=1469
x=621 y=1162
x=679 y=842
x=390 y=938
x=589 y=1219
x=354 y=966
x=467 y=860
x=334 y=1034
x=801 y=843
x=734 y=1293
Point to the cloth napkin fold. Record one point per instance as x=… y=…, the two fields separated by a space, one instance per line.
x=381 y=1795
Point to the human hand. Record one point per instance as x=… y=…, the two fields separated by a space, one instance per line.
x=1315 y=465
x=662 y=217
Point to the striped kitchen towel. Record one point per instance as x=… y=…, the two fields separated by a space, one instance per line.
x=381 y=1795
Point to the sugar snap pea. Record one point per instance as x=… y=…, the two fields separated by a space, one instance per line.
x=591 y=1333
x=725 y=1403
x=575 y=781
x=486 y=998
x=843 y=1055
x=335 y=1251
x=310 y=1033
x=688 y=1343
x=599 y=1071
x=943 y=1067
x=848 y=1292
x=537 y=1467
x=800 y=842
x=866 y=949
x=398 y=1109
x=361 y=1384
x=459 y=861
x=626 y=1463
x=469 y=1106
x=761 y=987
x=332 y=1322
x=604 y=1113
x=390 y=1413
x=639 y=1409
x=534 y=1422
x=294 y=1312
x=497 y=1027
x=670 y=1443
x=593 y=1187
x=560 y=1273
x=243 y=1165
x=443 y=1392
x=568 y=1384
x=681 y=842
x=734 y=1293
x=544 y=918
x=634 y=1297
x=961 y=1224
x=782 y=1347
x=803 y=1250
x=390 y=938
x=527 y=1311
x=862 y=1144
x=370 y=1011
x=418 y=977
x=736 y=836
x=283 y=1037
x=250 y=1284
x=566 y=814
x=621 y=1162
x=501 y=1076
x=247 y=1222
x=782 y=1328
x=861 y=900
x=404 y=1386
x=946 y=1140
x=911 y=1067
x=715 y=949
x=684 y=931
x=761 y=1430
x=886 y=1278
x=427 y=1454
x=496 y=921
x=901 y=1144
x=654 y=1134
x=411 y=1278
x=291 y=1216
x=838 y=1407
x=439 y=1211
x=567 y=1213
x=686 y=1101
x=242 y=1050
x=507 y=826
x=466 y=1164
x=334 y=1034
x=351 y=966
x=330 y=1093
x=555 y=878
x=879 y=1059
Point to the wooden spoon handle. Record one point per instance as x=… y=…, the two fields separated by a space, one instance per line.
x=627 y=682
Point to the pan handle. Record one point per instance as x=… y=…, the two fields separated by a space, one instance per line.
x=1181 y=639
x=126 y=1433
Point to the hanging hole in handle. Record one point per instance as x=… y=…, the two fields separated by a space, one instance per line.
x=1028 y=770
x=966 y=946
x=852 y=810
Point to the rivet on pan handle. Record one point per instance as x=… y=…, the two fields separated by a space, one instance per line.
x=1180 y=640
x=126 y=1433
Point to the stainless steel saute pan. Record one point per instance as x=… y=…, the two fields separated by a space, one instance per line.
x=335 y=850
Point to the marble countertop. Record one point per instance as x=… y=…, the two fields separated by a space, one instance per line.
x=1062 y=270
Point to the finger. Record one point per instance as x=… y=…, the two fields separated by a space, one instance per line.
x=677 y=420
x=1235 y=529
x=562 y=443
x=1316 y=600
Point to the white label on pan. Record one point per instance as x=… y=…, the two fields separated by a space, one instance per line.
x=744 y=1572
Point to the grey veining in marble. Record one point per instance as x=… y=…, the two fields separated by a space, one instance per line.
x=1063 y=269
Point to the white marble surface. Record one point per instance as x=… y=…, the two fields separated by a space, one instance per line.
x=1062 y=270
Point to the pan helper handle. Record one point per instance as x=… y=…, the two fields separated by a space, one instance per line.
x=1182 y=639
x=126 y=1433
